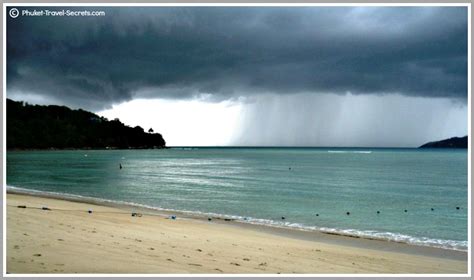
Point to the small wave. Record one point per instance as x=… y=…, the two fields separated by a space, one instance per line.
x=349 y=152
x=403 y=238
x=368 y=234
x=82 y=198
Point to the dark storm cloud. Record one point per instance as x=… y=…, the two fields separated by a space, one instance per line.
x=226 y=52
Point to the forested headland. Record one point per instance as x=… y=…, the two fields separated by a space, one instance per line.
x=59 y=127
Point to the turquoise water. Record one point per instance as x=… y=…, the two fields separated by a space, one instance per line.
x=313 y=188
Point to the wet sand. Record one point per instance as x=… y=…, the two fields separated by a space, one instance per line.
x=111 y=240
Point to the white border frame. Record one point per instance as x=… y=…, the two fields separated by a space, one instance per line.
x=5 y=5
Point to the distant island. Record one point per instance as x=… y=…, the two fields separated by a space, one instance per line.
x=455 y=142
x=59 y=127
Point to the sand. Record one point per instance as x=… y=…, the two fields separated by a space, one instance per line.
x=40 y=241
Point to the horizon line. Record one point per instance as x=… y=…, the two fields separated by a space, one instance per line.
x=286 y=146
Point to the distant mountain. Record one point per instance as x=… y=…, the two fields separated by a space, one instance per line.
x=58 y=127
x=455 y=142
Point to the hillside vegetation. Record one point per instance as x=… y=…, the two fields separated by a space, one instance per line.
x=58 y=127
x=455 y=142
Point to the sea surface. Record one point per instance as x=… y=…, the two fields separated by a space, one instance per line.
x=416 y=191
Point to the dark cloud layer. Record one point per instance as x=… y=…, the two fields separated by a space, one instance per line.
x=227 y=52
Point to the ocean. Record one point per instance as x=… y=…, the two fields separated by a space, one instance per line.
x=417 y=196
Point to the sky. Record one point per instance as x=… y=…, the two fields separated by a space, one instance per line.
x=253 y=76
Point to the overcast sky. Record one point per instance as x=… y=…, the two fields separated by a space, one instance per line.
x=312 y=76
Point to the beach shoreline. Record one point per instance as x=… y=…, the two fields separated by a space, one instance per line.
x=230 y=246
x=292 y=232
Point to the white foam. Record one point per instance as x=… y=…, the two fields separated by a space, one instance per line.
x=370 y=234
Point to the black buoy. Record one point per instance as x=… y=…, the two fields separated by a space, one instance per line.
x=378 y=212
x=348 y=213
x=432 y=209
x=209 y=219
x=457 y=208
x=406 y=210
x=317 y=215
x=282 y=218
x=289 y=168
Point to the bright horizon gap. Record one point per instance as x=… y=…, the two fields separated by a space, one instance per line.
x=180 y=122
x=324 y=120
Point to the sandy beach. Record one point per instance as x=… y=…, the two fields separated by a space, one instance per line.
x=111 y=240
